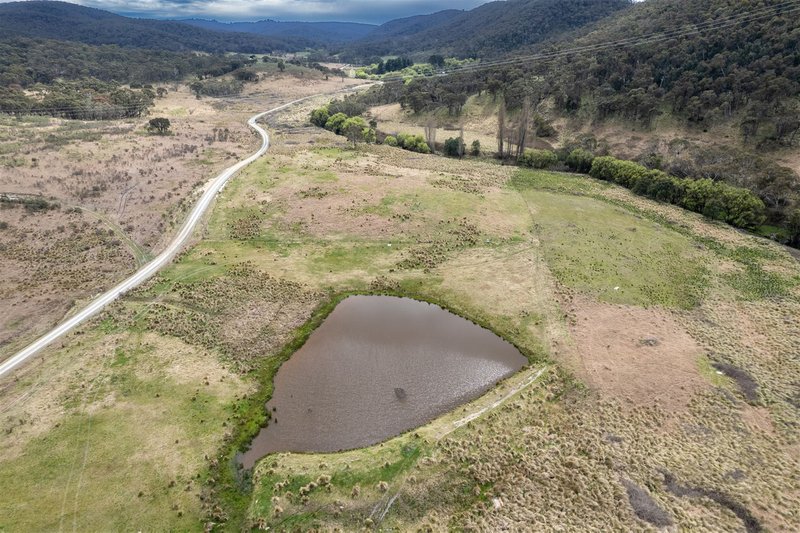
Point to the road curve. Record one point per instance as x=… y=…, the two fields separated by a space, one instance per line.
x=164 y=258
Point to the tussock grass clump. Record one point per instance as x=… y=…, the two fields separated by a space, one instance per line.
x=201 y=312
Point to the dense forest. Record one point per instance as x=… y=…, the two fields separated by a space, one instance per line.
x=24 y=62
x=744 y=63
x=749 y=71
x=70 y=22
x=488 y=31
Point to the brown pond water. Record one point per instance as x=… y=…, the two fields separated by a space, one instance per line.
x=376 y=367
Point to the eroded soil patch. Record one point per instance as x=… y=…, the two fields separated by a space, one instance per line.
x=641 y=355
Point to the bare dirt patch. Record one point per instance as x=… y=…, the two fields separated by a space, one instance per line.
x=641 y=355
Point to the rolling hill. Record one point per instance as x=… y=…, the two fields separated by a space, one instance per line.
x=70 y=22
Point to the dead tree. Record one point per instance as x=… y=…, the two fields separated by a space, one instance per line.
x=430 y=135
x=524 y=120
x=501 y=129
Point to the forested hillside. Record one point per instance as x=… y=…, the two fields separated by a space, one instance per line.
x=24 y=62
x=388 y=37
x=490 y=30
x=741 y=63
x=70 y=22
x=316 y=32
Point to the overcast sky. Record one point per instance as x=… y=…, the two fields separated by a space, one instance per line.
x=373 y=11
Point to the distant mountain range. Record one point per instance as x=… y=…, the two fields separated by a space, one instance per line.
x=319 y=32
x=70 y=22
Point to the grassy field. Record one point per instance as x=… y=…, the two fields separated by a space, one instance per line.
x=661 y=387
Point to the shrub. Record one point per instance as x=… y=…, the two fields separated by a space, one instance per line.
x=665 y=188
x=320 y=116
x=580 y=160
x=355 y=128
x=720 y=201
x=625 y=173
x=743 y=208
x=390 y=141
x=538 y=158
x=159 y=125
x=349 y=106
x=476 y=148
x=697 y=193
x=335 y=123
x=452 y=147
x=414 y=143
x=246 y=75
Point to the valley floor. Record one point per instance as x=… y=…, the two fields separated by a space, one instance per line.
x=118 y=194
x=662 y=385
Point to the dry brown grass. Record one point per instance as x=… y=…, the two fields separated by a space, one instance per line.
x=121 y=191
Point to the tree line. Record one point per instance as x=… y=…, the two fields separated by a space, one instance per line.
x=83 y=100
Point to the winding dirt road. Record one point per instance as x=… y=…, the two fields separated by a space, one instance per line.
x=165 y=257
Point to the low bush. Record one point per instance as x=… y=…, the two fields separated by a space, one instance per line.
x=453 y=147
x=476 y=148
x=413 y=143
x=625 y=173
x=335 y=123
x=353 y=127
x=538 y=158
x=580 y=160
x=320 y=116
